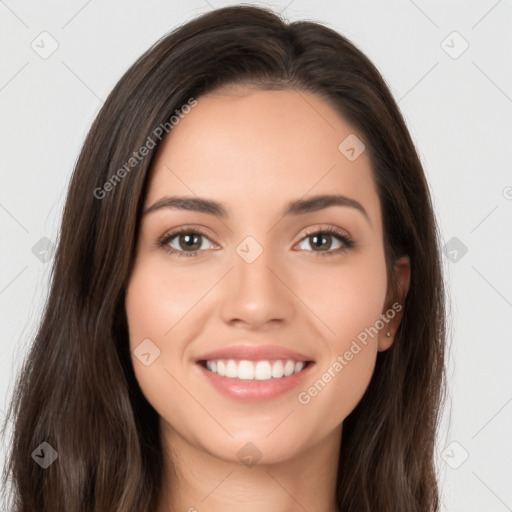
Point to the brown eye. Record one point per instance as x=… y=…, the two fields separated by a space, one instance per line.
x=320 y=241
x=190 y=242
x=187 y=242
x=326 y=241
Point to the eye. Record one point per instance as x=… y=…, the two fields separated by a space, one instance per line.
x=191 y=241
x=185 y=242
x=330 y=241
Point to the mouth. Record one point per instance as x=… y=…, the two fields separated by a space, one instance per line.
x=254 y=373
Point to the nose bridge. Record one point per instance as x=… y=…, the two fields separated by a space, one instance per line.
x=256 y=295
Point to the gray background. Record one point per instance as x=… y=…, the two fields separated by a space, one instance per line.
x=456 y=101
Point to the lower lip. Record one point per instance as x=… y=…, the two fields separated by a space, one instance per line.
x=254 y=390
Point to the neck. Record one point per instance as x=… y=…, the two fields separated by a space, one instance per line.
x=196 y=481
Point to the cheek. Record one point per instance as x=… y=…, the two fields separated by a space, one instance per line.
x=348 y=300
x=158 y=299
x=351 y=311
x=157 y=304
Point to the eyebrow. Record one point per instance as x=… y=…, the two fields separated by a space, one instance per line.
x=297 y=207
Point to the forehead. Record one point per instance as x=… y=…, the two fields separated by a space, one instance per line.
x=254 y=148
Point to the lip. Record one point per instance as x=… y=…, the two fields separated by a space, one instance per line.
x=254 y=353
x=254 y=390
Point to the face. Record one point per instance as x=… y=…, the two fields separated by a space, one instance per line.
x=282 y=291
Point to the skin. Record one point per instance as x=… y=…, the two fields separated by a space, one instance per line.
x=254 y=151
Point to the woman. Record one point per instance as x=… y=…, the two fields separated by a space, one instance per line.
x=246 y=309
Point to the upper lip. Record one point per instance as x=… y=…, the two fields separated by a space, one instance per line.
x=253 y=353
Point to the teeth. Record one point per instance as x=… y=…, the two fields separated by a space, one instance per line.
x=289 y=368
x=231 y=369
x=263 y=370
x=277 y=370
x=254 y=370
x=244 y=370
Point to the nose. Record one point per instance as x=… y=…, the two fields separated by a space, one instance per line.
x=257 y=293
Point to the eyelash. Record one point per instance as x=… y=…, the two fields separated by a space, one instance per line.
x=348 y=243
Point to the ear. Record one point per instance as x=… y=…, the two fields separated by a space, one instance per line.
x=395 y=303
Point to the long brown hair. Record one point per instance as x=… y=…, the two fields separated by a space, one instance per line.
x=77 y=390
